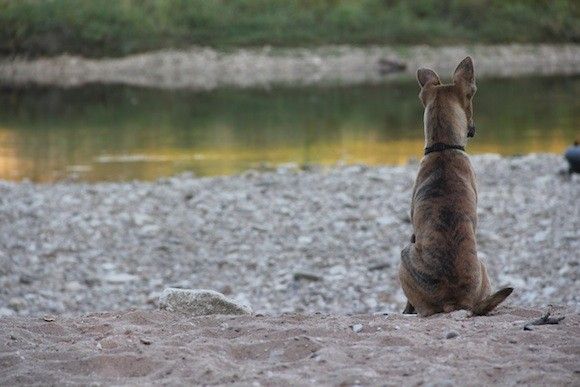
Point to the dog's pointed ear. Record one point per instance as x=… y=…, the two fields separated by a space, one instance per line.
x=464 y=75
x=427 y=76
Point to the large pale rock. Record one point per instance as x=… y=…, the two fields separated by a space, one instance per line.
x=200 y=302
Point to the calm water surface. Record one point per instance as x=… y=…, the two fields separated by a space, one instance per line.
x=120 y=133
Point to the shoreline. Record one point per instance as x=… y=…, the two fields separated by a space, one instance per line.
x=202 y=68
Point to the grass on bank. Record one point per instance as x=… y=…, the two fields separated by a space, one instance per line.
x=119 y=27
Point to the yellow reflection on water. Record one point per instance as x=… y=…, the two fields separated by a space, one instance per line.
x=152 y=163
x=11 y=166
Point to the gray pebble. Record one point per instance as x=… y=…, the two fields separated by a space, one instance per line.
x=451 y=335
x=356 y=328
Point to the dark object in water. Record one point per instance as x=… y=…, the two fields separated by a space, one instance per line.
x=573 y=156
x=389 y=66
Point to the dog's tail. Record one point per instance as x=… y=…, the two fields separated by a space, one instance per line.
x=488 y=304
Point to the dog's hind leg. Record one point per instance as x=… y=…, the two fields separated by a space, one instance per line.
x=417 y=283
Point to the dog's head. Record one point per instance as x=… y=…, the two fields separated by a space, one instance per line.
x=448 y=108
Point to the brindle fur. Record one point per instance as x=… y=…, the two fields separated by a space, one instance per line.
x=440 y=270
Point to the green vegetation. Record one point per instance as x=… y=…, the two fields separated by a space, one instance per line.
x=119 y=27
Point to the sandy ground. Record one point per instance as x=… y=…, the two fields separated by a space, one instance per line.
x=158 y=347
x=201 y=68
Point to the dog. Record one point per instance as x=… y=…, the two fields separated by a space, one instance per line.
x=439 y=269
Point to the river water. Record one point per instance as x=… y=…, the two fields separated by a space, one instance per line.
x=113 y=133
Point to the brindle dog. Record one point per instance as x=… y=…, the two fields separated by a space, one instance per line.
x=440 y=270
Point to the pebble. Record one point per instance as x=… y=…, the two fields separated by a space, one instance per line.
x=26 y=279
x=459 y=315
x=17 y=303
x=306 y=276
x=451 y=335
x=356 y=328
x=200 y=302
x=119 y=278
x=73 y=286
x=145 y=341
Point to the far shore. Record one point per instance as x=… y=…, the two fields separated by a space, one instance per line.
x=203 y=68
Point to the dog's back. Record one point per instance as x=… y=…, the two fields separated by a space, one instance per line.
x=444 y=220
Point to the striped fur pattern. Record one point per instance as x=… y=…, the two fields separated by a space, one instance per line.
x=440 y=270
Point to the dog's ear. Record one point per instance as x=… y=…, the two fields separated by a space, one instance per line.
x=464 y=76
x=427 y=76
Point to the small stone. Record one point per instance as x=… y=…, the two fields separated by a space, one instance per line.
x=145 y=341
x=356 y=328
x=300 y=275
x=304 y=240
x=141 y=219
x=48 y=318
x=120 y=278
x=387 y=220
x=149 y=229
x=200 y=302
x=73 y=286
x=451 y=335
x=380 y=266
x=91 y=281
x=459 y=315
x=17 y=303
x=26 y=279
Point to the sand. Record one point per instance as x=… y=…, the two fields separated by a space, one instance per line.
x=158 y=347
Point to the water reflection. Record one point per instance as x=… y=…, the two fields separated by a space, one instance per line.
x=120 y=133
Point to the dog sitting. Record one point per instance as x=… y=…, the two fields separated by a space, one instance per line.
x=440 y=270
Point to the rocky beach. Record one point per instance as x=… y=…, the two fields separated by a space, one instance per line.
x=293 y=239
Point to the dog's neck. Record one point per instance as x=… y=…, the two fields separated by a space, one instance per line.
x=446 y=127
x=442 y=137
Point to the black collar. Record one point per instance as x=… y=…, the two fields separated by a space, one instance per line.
x=439 y=146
